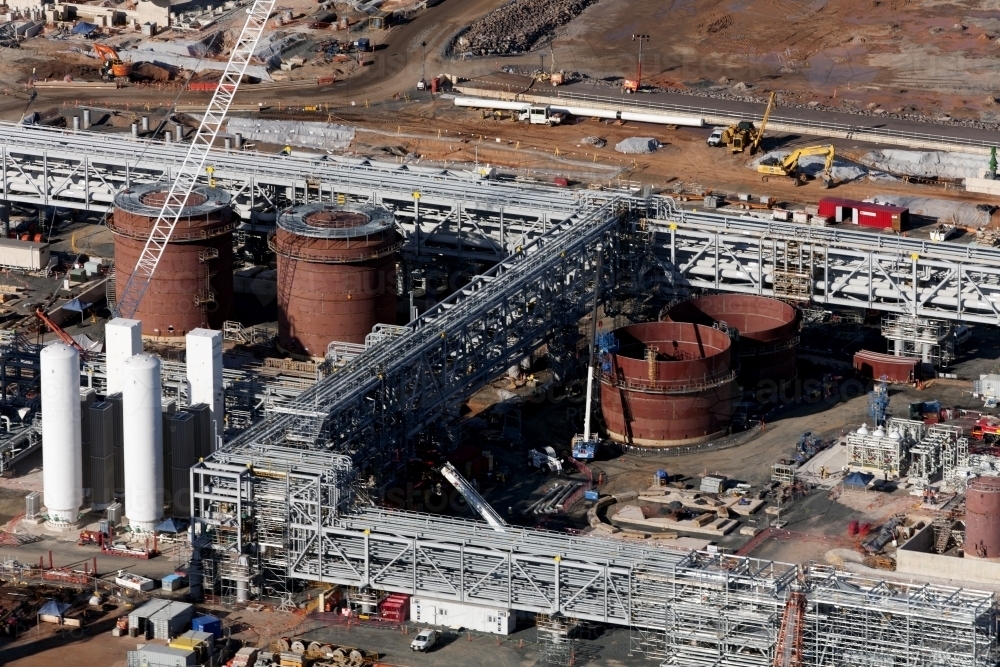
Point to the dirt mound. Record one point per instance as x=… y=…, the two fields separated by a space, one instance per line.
x=518 y=26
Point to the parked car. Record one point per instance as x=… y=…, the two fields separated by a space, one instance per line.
x=424 y=641
x=715 y=139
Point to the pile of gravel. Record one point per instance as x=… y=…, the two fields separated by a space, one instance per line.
x=518 y=26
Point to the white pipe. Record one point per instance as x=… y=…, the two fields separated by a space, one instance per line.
x=662 y=119
x=594 y=112
x=590 y=397
x=482 y=103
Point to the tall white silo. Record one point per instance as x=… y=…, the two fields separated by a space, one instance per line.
x=62 y=455
x=143 y=438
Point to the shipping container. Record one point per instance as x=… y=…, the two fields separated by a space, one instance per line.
x=865 y=214
x=207 y=623
x=455 y=615
x=24 y=255
x=874 y=365
x=395 y=608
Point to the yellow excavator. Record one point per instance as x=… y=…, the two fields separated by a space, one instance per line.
x=789 y=166
x=743 y=135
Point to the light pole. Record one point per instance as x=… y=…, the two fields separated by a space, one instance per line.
x=638 y=76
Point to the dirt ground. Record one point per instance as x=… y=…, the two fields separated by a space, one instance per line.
x=924 y=54
x=684 y=163
x=905 y=56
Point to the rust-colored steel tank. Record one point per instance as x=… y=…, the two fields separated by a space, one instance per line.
x=768 y=331
x=336 y=274
x=669 y=383
x=193 y=283
x=982 y=518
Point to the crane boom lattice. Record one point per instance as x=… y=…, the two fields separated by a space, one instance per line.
x=788 y=652
x=194 y=161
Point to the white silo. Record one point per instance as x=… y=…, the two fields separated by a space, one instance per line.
x=143 y=437
x=62 y=455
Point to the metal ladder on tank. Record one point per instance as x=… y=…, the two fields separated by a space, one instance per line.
x=110 y=290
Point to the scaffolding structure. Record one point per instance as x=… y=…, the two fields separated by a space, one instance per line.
x=858 y=620
x=718 y=610
x=927 y=338
x=942 y=445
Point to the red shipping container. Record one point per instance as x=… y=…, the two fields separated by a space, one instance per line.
x=395 y=608
x=865 y=214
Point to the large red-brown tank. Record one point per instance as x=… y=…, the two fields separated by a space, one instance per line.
x=982 y=518
x=669 y=383
x=336 y=274
x=767 y=331
x=193 y=283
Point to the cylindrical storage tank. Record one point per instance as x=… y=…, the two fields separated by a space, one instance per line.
x=142 y=428
x=982 y=518
x=193 y=283
x=768 y=332
x=62 y=456
x=336 y=274
x=668 y=383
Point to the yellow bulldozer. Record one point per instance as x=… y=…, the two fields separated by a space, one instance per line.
x=789 y=165
x=744 y=135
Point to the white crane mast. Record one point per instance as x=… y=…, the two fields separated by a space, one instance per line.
x=194 y=161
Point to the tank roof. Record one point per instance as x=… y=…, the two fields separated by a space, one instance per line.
x=336 y=221
x=147 y=200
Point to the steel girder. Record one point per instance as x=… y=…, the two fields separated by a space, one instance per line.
x=394 y=390
x=445 y=212
x=833 y=273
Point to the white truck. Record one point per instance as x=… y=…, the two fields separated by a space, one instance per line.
x=541 y=115
x=545 y=459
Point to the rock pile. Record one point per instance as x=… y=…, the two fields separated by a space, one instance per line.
x=518 y=26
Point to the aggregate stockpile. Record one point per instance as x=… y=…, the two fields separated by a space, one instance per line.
x=518 y=26
x=293 y=132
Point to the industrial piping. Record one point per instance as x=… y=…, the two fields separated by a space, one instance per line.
x=594 y=112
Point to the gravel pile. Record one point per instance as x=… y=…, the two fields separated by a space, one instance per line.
x=518 y=26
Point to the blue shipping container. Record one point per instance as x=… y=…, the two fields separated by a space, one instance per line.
x=208 y=623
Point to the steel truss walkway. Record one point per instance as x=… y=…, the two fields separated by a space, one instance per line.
x=831 y=267
x=441 y=211
x=282 y=502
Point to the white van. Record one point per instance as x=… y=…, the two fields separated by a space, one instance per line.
x=424 y=640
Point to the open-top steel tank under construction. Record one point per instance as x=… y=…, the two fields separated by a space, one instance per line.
x=193 y=283
x=766 y=331
x=668 y=383
x=336 y=274
x=982 y=518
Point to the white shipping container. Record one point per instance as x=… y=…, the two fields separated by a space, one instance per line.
x=468 y=616
x=26 y=255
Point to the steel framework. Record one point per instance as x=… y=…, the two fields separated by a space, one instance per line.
x=857 y=620
x=285 y=502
